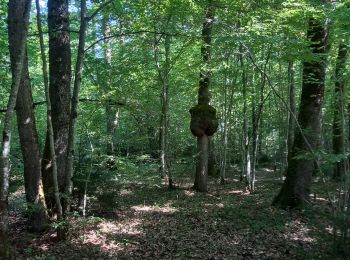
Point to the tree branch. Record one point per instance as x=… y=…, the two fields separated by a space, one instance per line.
x=103 y=5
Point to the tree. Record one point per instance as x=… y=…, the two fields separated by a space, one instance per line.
x=60 y=94
x=75 y=103
x=111 y=113
x=50 y=133
x=29 y=145
x=296 y=188
x=18 y=20
x=291 y=100
x=203 y=116
x=338 y=116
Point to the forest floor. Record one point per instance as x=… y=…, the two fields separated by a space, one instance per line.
x=145 y=220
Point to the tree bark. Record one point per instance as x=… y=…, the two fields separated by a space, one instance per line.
x=338 y=116
x=18 y=20
x=296 y=188
x=60 y=95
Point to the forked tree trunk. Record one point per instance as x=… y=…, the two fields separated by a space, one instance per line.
x=60 y=95
x=18 y=20
x=338 y=116
x=296 y=188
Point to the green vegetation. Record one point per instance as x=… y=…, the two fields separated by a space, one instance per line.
x=103 y=164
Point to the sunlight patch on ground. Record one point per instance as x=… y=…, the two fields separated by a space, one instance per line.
x=125 y=192
x=189 y=193
x=129 y=227
x=234 y=192
x=112 y=237
x=144 y=208
x=299 y=232
x=218 y=205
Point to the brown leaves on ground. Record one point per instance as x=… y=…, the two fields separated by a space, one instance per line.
x=151 y=222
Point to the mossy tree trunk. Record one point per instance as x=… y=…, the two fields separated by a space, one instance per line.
x=18 y=20
x=295 y=191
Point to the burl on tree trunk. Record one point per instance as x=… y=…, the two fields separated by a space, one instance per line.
x=296 y=188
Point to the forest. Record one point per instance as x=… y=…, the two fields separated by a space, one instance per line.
x=175 y=129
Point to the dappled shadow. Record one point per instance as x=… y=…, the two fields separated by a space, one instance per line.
x=151 y=222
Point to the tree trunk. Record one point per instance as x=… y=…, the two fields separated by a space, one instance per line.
x=227 y=111
x=30 y=149
x=201 y=176
x=338 y=116
x=75 y=103
x=291 y=123
x=110 y=108
x=18 y=20
x=246 y=163
x=212 y=164
x=163 y=74
x=296 y=188
x=50 y=134
x=60 y=94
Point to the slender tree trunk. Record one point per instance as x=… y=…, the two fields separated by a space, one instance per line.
x=291 y=123
x=256 y=123
x=50 y=133
x=227 y=115
x=75 y=103
x=246 y=162
x=18 y=20
x=295 y=191
x=60 y=95
x=164 y=120
x=201 y=176
x=111 y=122
x=225 y=140
x=338 y=116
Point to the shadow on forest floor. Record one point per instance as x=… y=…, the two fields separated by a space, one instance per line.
x=148 y=221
